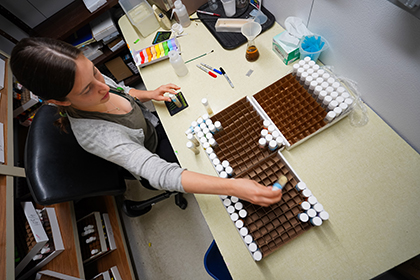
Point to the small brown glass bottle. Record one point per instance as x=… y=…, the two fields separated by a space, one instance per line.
x=252 y=52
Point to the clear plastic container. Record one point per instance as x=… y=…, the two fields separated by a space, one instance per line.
x=141 y=15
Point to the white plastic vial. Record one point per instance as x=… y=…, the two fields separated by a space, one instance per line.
x=303 y=217
x=307 y=59
x=212 y=142
x=321 y=72
x=253 y=247
x=315 y=76
x=243 y=213
x=348 y=101
x=264 y=132
x=234 y=217
x=275 y=134
x=205 y=103
x=216 y=161
x=262 y=143
x=175 y=100
x=300 y=186
x=218 y=125
x=222 y=196
x=266 y=123
x=324 y=215
x=344 y=106
x=206 y=130
x=226 y=202
x=316 y=92
x=194 y=123
x=177 y=63
x=203 y=126
x=239 y=223
x=308 y=81
x=324 y=85
x=225 y=163
x=312 y=200
x=234 y=199
x=333 y=104
x=229 y=170
x=295 y=68
x=334 y=95
x=299 y=73
x=223 y=175
x=200 y=122
x=306 y=193
x=257 y=255
x=335 y=85
x=209 y=122
x=318 y=207
x=208 y=135
x=322 y=94
x=311 y=213
x=326 y=101
x=212 y=128
x=203 y=140
x=339 y=99
x=338 y=111
x=316 y=221
x=272 y=145
x=248 y=239
x=326 y=76
x=280 y=142
x=197 y=129
x=303 y=77
x=212 y=156
x=238 y=205
x=345 y=94
x=312 y=85
x=230 y=209
x=219 y=168
x=268 y=138
x=331 y=81
x=181 y=12
x=192 y=138
x=243 y=231
x=192 y=147
x=330 y=116
x=206 y=145
x=315 y=67
x=329 y=90
x=319 y=80
x=305 y=205
x=271 y=128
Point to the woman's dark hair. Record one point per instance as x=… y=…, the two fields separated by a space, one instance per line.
x=45 y=66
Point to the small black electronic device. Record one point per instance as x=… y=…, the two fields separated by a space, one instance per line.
x=161 y=36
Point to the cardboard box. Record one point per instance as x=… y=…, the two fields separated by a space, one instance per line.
x=96 y=237
x=55 y=242
x=35 y=236
x=287 y=53
x=118 y=69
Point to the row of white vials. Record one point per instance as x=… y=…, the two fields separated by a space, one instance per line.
x=270 y=137
x=313 y=211
x=201 y=132
x=324 y=88
x=234 y=207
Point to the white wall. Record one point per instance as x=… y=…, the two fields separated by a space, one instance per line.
x=374 y=43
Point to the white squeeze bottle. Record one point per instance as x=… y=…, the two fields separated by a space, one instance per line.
x=181 y=13
x=177 y=63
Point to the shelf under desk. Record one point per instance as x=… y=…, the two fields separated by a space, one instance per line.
x=366 y=177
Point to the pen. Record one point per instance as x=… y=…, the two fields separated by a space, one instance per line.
x=207 y=71
x=226 y=76
x=208 y=13
x=211 y=68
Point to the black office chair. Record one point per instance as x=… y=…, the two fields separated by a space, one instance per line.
x=58 y=169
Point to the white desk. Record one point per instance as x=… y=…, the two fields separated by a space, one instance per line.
x=367 y=178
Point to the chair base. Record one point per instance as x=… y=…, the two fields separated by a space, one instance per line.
x=137 y=208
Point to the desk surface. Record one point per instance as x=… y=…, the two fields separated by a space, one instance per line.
x=366 y=177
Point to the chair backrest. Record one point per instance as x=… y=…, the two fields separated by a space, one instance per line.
x=58 y=169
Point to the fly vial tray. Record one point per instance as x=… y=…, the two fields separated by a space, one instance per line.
x=266 y=229
x=299 y=112
x=155 y=52
x=237 y=139
x=96 y=237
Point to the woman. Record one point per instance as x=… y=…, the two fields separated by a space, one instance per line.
x=116 y=127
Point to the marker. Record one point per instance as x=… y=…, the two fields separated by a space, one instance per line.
x=226 y=76
x=208 y=13
x=197 y=57
x=211 y=68
x=207 y=71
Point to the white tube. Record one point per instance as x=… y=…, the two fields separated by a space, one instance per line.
x=192 y=147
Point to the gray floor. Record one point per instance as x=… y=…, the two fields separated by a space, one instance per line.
x=167 y=242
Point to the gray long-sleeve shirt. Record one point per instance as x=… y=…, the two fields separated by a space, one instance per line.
x=125 y=147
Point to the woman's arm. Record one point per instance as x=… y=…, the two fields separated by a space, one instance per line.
x=244 y=189
x=157 y=94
